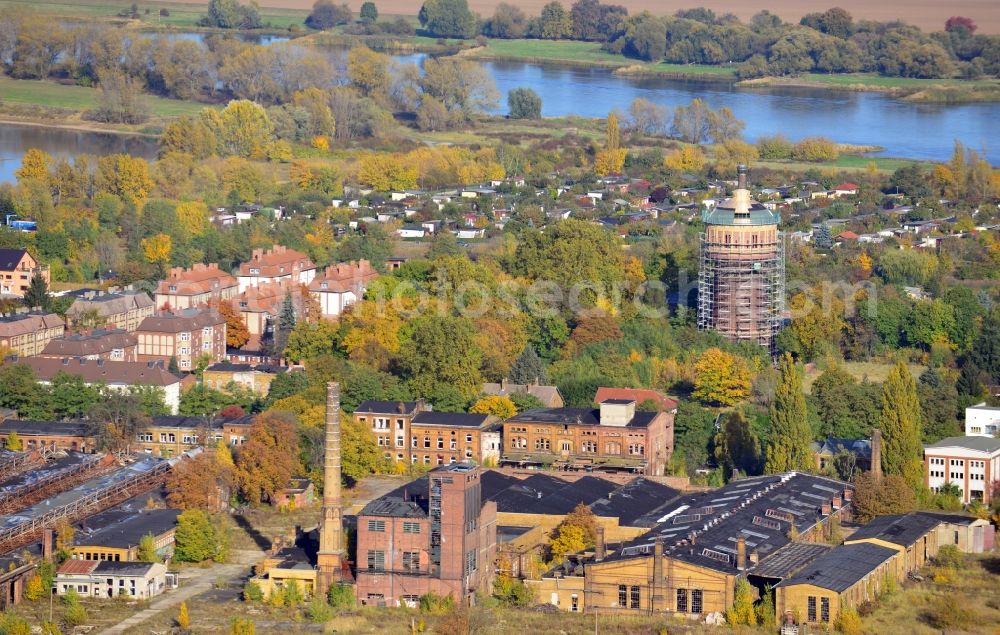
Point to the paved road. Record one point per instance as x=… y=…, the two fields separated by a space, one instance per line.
x=192 y=582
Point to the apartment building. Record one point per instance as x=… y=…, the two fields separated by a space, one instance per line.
x=199 y=286
x=341 y=286
x=110 y=345
x=278 y=264
x=982 y=420
x=27 y=333
x=119 y=310
x=17 y=268
x=186 y=336
x=441 y=438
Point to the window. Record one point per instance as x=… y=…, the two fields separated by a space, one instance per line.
x=254 y=270
x=411 y=528
x=411 y=601
x=468 y=438
x=376 y=560
x=399 y=424
x=400 y=442
x=682 y=600
x=613 y=448
x=574 y=603
x=381 y=423
x=440 y=443
x=185 y=337
x=411 y=561
x=427 y=442
x=470 y=562
x=542 y=444
x=634 y=598
x=565 y=446
x=589 y=446
x=413 y=442
x=376 y=525
x=824 y=609
x=811 y=609
x=117 y=353
x=184 y=350
x=696 y=601
x=636 y=449
x=622 y=595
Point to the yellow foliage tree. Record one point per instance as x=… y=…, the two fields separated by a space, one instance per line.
x=193 y=216
x=614 y=137
x=687 y=159
x=34 y=165
x=500 y=406
x=385 y=172
x=865 y=264
x=126 y=177
x=320 y=142
x=609 y=161
x=721 y=378
x=156 y=249
x=817 y=320
x=183 y=620
x=368 y=71
x=568 y=540
x=34 y=590
x=372 y=334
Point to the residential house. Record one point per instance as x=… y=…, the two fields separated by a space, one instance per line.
x=825 y=451
x=199 y=286
x=548 y=395
x=124 y=310
x=276 y=265
x=614 y=436
x=411 y=231
x=110 y=345
x=115 y=534
x=982 y=421
x=108 y=579
x=971 y=463
x=443 y=541
x=255 y=378
x=17 y=268
x=27 y=333
x=186 y=336
x=846 y=189
x=341 y=285
x=121 y=376
x=51 y=436
x=260 y=307
x=439 y=438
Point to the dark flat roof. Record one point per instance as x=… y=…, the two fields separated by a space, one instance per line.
x=138 y=569
x=842 y=567
x=451 y=419
x=902 y=529
x=790 y=559
x=386 y=407
x=48 y=428
x=128 y=531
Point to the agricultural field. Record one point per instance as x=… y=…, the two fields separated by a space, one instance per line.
x=182 y=14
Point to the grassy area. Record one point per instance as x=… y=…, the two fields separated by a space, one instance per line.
x=184 y=15
x=846 y=162
x=875 y=372
x=53 y=95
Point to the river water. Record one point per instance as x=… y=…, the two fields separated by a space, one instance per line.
x=917 y=131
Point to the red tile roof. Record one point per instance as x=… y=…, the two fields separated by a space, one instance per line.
x=639 y=395
x=277 y=261
x=346 y=276
x=199 y=279
x=848 y=186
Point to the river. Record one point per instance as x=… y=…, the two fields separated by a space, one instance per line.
x=904 y=129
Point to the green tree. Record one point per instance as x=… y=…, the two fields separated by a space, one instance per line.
x=524 y=103
x=293 y=593
x=37 y=294
x=286 y=324
x=252 y=592
x=901 y=424
x=448 y=18
x=196 y=537
x=326 y=14
x=309 y=340
x=147 y=549
x=555 y=22
x=369 y=12
x=742 y=611
x=340 y=596
x=736 y=447
x=527 y=368
x=442 y=351
x=788 y=447
x=985 y=352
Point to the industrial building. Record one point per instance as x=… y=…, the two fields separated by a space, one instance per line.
x=741 y=275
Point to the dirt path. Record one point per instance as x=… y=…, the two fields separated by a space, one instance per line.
x=192 y=583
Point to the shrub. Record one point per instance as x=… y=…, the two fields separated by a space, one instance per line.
x=815 y=149
x=252 y=592
x=949 y=611
x=849 y=622
x=524 y=103
x=950 y=556
x=76 y=615
x=319 y=611
x=775 y=147
x=436 y=604
x=340 y=596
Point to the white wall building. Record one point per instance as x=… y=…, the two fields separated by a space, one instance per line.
x=972 y=463
x=982 y=420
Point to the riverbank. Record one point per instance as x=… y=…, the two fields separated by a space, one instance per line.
x=574 y=53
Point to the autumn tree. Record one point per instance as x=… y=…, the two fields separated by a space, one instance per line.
x=874 y=497
x=361 y=455
x=584 y=518
x=183 y=620
x=237 y=333
x=327 y=14
x=120 y=99
x=268 y=459
x=242 y=128
x=194 y=483
x=901 y=425
x=742 y=610
x=613 y=137
x=788 y=447
x=34 y=166
x=385 y=172
x=368 y=71
x=157 y=249
x=567 y=539
x=196 y=537
x=686 y=159
x=124 y=176
x=34 y=590
x=147 y=549
x=499 y=406
x=13 y=443
x=721 y=378
x=691 y=122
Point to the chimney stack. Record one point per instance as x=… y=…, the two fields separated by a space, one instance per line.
x=741 y=553
x=599 y=548
x=658 y=560
x=331 y=551
x=741 y=176
x=47 y=534
x=877 y=454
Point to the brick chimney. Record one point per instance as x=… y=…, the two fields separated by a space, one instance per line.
x=599 y=548
x=331 y=550
x=47 y=539
x=658 y=560
x=741 y=553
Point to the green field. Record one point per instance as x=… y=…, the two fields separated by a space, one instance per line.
x=848 y=162
x=53 y=95
x=181 y=14
x=874 y=371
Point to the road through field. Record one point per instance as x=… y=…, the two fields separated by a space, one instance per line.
x=929 y=15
